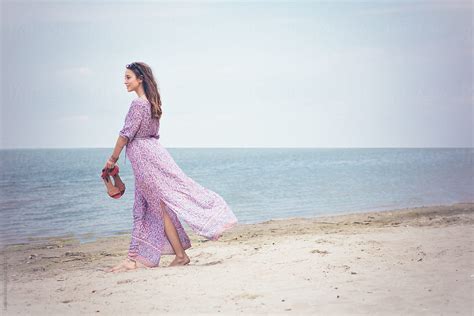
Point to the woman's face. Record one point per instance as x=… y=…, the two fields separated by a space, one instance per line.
x=131 y=81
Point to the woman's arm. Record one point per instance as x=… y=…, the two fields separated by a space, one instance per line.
x=121 y=142
x=130 y=128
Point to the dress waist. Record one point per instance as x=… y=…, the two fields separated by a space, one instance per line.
x=141 y=137
x=146 y=137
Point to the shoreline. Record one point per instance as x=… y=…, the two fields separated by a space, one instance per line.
x=325 y=264
x=94 y=238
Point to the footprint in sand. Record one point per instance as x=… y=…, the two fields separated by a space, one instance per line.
x=247 y=296
x=212 y=263
x=203 y=255
x=124 y=281
x=321 y=252
x=323 y=241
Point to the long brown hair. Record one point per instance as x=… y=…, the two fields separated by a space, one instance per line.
x=143 y=71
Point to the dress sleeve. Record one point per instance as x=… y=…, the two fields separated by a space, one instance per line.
x=132 y=121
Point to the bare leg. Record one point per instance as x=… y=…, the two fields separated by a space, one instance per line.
x=172 y=235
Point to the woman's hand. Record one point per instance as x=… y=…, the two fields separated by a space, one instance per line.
x=109 y=164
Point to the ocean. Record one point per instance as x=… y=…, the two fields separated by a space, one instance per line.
x=59 y=192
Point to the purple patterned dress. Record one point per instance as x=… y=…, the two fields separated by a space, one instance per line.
x=161 y=186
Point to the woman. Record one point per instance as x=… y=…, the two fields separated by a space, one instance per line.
x=162 y=190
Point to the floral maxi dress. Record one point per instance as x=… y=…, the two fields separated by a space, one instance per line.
x=161 y=186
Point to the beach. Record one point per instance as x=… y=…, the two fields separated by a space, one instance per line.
x=415 y=261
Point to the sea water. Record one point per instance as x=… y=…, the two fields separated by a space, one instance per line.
x=59 y=192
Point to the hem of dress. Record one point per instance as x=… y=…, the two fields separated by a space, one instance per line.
x=224 y=228
x=186 y=246
x=142 y=260
x=217 y=235
x=162 y=252
x=146 y=242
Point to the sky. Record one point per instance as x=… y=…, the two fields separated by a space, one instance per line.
x=326 y=74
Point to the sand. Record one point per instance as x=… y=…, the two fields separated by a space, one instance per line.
x=415 y=261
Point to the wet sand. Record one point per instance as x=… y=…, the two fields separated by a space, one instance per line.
x=408 y=261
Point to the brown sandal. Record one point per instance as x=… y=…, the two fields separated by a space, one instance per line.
x=113 y=191
x=114 y=172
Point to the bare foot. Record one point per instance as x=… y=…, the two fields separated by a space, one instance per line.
x=126 y=265
x=180 y=261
